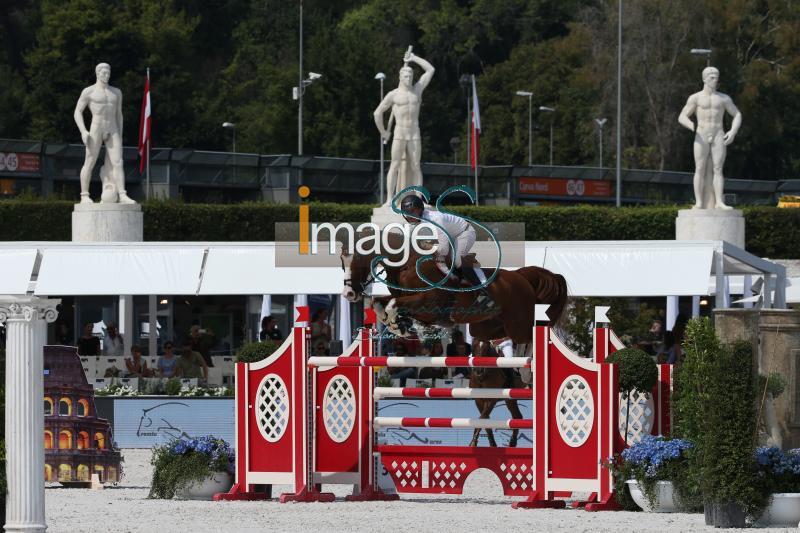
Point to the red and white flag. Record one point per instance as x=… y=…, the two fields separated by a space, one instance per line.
x=144 y=126
x=475 y=133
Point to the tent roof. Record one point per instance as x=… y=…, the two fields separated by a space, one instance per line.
x=592 y=268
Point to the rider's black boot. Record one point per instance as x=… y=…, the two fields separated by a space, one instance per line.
x=484 y=300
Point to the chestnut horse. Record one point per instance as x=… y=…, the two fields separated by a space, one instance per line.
x=515 y=292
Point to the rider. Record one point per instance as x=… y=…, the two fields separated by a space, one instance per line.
x=460 y=231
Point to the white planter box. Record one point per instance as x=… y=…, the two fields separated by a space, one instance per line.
x=665 y=503
x=419 y=383
x=783 y=511
x=205 y=489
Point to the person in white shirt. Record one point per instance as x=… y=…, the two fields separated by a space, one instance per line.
x=459 y=231
x=113 y=344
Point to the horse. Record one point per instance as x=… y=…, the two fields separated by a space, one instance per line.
x=493 y=378
x=515 y=292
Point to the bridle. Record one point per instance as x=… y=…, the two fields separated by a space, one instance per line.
x=362 y=285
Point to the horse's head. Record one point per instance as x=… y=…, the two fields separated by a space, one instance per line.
x=357 y=275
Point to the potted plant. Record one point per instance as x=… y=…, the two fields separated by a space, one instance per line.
x=779 y=473
x=192 y=468
x=652 y=471
x=637 y=372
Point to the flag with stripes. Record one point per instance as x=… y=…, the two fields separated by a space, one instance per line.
x=475 y=132
x=144 y=126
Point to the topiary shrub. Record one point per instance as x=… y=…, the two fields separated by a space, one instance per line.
x=172 y=387
x=637 y=372
x=256 y=351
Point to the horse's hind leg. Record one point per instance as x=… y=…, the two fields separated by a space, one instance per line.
x=488 y=406
x=490 y=434
x=476 y=433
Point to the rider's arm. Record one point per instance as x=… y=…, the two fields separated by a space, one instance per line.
x=425 y=79
x=687 y=111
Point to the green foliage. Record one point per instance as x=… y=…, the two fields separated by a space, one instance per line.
x=183 y=461
x=256 y=351
x=631 y=323
x=773 y=384
x=771 y=232
x=729 y=471
x=637 y=371
x=172 y=387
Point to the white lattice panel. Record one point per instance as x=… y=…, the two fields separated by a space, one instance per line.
x=407 y=473
x=575 y=411
x=272 y=408
x=339 y=409
x=517 y=475
x=641 y=419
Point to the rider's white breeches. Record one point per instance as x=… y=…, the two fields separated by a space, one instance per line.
x=505 y=348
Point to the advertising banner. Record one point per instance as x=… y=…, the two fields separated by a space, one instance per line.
x=564 y=187
x=20 y=162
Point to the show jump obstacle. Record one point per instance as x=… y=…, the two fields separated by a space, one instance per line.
x=304 y=421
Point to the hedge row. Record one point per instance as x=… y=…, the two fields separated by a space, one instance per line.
x=771 y=232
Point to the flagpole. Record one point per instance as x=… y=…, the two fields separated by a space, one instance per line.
x=474 y=134
x=147 y=171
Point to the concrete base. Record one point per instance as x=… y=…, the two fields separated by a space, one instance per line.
x=384 y=215
x=107 y=223
x=710 y=224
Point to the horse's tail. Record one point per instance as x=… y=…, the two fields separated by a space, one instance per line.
x=550 y=288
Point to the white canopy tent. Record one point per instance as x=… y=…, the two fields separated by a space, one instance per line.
x=592 y=268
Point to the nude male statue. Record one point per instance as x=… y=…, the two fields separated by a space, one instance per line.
x=710 y=140
x=404 y=102
x=105 y=103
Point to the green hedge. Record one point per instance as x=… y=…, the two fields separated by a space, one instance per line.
x=771 y=232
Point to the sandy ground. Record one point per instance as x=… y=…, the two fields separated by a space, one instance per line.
x=481 y=508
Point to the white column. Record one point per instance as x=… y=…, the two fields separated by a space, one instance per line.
x=747 y=284
x=266 y=308
x=26 y=321
x=345 y=335
x=152 y=337
x=126 y=320
x=695 y=306
x=672 y=312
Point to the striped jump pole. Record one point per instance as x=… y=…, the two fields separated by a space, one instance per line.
x=456 y=393
x=422 y=362
x=455 y=423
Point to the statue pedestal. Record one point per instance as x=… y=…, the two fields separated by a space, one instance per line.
x=384 y=215
x=107 y=223
x=710 y=224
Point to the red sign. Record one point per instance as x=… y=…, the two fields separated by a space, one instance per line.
x=19 y=162
x=564 y=187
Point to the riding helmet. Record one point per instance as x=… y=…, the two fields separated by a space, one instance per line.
x=412 y=201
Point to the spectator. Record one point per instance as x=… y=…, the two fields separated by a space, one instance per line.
x=269 y=329
x=62 y=333
x=135 y=365
x=167 y=363
x=432 y=349
x=113 y=344
x=399 y=372
x=320 y=348
x=668 y=353
x=320 y=329
x=201 y=341
x=456 y=338
x=88 y=344
x=191 y=364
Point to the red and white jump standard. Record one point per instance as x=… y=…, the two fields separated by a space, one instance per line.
x=305 y=421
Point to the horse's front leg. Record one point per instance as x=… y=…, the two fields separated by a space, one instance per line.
x=486 y=411
x=513 y=408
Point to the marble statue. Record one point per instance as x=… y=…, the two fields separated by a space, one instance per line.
x=105 y=104
x=710 y=140
x=404 y=102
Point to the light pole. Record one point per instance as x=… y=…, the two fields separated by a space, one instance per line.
x=703 y=52
x=619 y=105
x=530 y=123
x=545 y=109
x=381 y=76
x=297 y=94
x=600 y=123
x=232 y=127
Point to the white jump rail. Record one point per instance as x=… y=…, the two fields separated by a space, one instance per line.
x=455 y=393
x=422 y=362
x=455 y=423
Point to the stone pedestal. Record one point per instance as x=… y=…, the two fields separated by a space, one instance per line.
x=107 y=223
x=710 y=225
x=26 y=321
x=384 y=215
